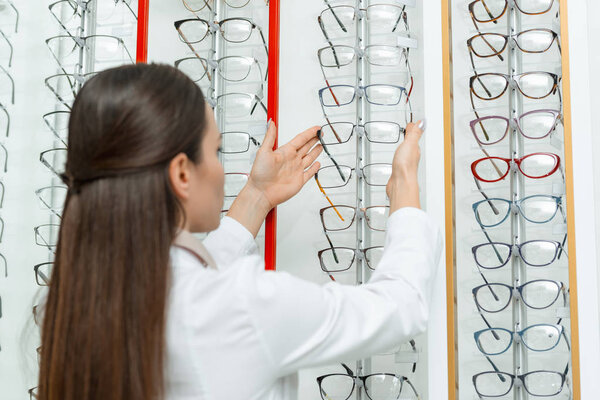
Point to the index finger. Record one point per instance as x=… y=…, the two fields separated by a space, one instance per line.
x=302 y=138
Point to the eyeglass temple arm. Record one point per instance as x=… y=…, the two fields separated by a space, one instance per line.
x=502 y=378
x=487 y=91
x=413 y=344
x=7 y=118
x=5 y=275
x=328 y=85
x=5 y=158
x=412 y=387
x=342 y=26
x=3 y=190
x=17 y=12
x=10 y=46
x=488 y=284
x=402 y=14
x=12 y=81
x=489 y=13
x=329 y=200
x=487 y=137
x=333 y=130
x=320 y=137
x=262 y=37
x=562 y=247
x=348 y=370
x=486 y=321
x=202 y=61
x=485 y=196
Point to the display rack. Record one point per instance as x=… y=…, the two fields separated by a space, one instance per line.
x=367 y=56
x=209 y=54
x=518 y=57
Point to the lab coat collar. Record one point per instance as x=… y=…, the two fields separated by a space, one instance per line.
x=189 y=242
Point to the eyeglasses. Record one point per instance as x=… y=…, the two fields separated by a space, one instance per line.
x=380 y=55
x=537 y=383
x=238 y=105
x=339 y=259
x=341 y=217
x=534 y=166
x=336 y=176
x=539 y=337
x=537 y=124
x=537 y=209
x=489 y=11
x=537 y=294
x=52 y=198
x=199 y=5
x=47 y=235
x=65 y=86
x=338 y=20
x=486 y=45
x=42 y=273
x=237 y=142
x=535 y=253
x=233 y=30
x=5 y=16
x=377 y=94
x=533 y=85
x=234 y=183
x=68 y=13
x=53 y=157
x=230 y=68
x=374 y=131
x=382 y=386
x=58 y=123
x=106 y=49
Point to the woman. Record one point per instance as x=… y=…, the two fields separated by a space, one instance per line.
x=140 y=309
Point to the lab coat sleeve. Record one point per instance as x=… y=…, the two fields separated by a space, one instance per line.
x=230 y=241
x=303 y=324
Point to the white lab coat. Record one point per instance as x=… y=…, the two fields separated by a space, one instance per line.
x=241 y=333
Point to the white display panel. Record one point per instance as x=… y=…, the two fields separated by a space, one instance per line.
x=299 y=227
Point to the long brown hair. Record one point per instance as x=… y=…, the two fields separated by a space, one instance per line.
x=103 y=334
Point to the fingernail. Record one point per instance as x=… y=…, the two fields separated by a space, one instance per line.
x=422 y=125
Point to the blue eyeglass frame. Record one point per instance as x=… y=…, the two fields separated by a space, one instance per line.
x=558 y=248
x=559 y=328
x=517 y=204
x=364 y=93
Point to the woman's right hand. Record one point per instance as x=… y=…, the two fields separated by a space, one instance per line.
x=403 y=188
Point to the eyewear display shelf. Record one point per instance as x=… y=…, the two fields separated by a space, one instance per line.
x=512 y=318
x=222 y=45
x=369 y=93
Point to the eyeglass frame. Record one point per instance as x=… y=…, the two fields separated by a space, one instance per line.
x=518 y=336
x=517 y=204
x=516 y=248
x=362 y=210
x=363 y=380
x=517 y=292
x=515 y=124
x=515 y=162
x=522 y=379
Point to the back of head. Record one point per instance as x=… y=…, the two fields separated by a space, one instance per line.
x=103 y=329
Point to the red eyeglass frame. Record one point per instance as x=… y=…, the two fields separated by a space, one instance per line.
x=518 y=162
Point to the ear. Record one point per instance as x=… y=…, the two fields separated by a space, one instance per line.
x=180 y=175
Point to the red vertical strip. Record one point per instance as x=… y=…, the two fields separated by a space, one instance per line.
x=142 y=32
x=273 y=113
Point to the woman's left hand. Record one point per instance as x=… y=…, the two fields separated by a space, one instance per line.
x=280 y=174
